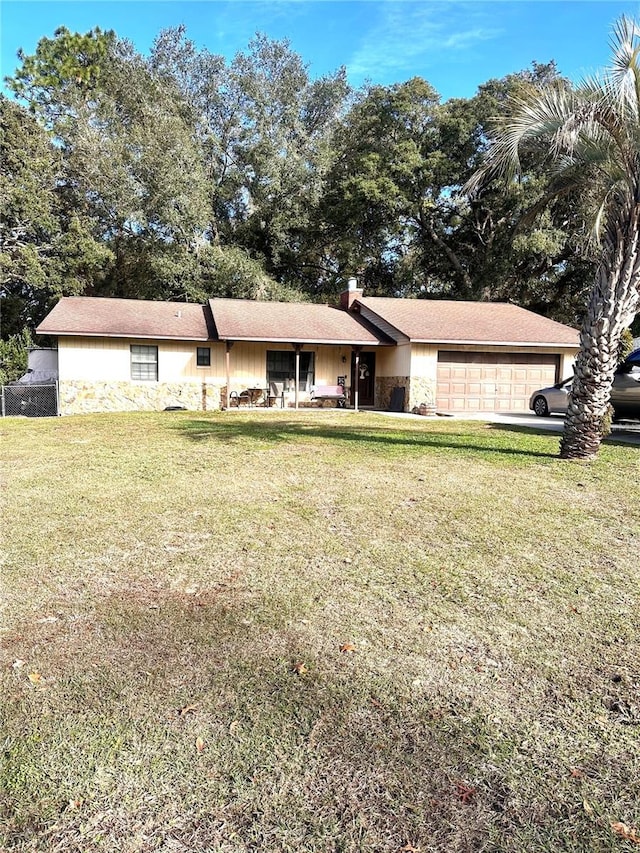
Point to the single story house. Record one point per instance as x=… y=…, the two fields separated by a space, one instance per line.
x=123 y=354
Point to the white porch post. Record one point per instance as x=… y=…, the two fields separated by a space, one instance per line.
x=297 y=348
x=227 y=358
x=356 y=377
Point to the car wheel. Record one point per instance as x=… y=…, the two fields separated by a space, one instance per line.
x=540 y=407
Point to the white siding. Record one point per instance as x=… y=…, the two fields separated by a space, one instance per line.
x=424 y=357
x=248 y=363
x=424 y=361
x=567 y=362
x=393 y=361
x=109 y=359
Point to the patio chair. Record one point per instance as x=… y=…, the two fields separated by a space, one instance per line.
x=276 y=392
x=237 y=399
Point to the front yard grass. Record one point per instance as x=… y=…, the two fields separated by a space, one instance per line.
x=316 y=631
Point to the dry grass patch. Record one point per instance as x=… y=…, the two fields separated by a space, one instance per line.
x=178 y=589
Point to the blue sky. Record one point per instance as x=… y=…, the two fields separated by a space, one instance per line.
x=454 y=45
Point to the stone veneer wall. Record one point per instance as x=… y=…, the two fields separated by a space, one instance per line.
x=422 y=390
x=81 y=397
x=385 y=386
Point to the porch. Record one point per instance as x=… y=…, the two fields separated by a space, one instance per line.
x=263 y=375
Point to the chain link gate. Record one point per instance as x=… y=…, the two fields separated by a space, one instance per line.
x=31 y=401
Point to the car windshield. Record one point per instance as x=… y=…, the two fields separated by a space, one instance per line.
x=631 y=368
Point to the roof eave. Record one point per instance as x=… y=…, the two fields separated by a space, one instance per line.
x=314 y=341
x=150 y=337
x=403 y=338
x=485 y=343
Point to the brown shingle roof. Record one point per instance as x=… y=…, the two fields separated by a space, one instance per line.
x=420 y=320
x=445 y=321
x=126 y=318
x=290 y=322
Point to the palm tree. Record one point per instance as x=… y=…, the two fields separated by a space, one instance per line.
x=589 y=137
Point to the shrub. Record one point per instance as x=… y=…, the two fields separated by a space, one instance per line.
x=14 y=356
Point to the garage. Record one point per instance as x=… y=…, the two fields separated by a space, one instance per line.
x=492 y=381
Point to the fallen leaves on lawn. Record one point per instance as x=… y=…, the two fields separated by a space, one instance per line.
x=18 y=664
x=35 y=677
x=200 y=744
x=347 y=647
x=299 y=668
x=188 y=709
x=233 y=728
x=629 y=833
x=409 y=848
x=576 y=773
x=464 y=792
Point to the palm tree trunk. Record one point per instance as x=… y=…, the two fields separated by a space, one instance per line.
x=614 y=301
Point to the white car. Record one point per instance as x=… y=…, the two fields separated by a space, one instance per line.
x=551 y=400
x=625 y=394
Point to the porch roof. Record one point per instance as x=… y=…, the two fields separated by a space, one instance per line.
x=292 y=322
x=95 y=316
x=447 y=321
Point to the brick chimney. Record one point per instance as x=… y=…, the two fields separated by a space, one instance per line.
x=349 y=296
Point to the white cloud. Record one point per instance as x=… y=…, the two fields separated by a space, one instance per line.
x=407 y=35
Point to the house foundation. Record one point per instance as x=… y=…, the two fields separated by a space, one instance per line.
x=385 y=386
x=83 y=397
x=422 y=390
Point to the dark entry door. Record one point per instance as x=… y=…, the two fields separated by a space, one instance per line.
x=366 y=378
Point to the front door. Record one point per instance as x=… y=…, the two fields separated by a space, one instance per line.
x=366 y=378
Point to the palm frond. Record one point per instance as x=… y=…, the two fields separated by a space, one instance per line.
x=624 y=72
x=559 y=190
x=624 y=49
x=538 y=115
x=600 y=218
x=586 y=134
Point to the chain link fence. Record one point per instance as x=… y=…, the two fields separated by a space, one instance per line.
x=31 y=401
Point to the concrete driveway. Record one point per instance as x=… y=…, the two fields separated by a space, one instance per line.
x=627 y=431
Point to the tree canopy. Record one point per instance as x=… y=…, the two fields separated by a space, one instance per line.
x=180 y=175
x=47 y=246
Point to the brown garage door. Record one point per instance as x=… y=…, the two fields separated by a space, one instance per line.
x=491 y=382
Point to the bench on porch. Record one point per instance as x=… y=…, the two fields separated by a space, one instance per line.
x=330 y=392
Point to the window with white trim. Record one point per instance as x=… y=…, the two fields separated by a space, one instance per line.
x=144 y=363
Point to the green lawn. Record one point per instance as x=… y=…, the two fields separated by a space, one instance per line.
x=177 y=591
